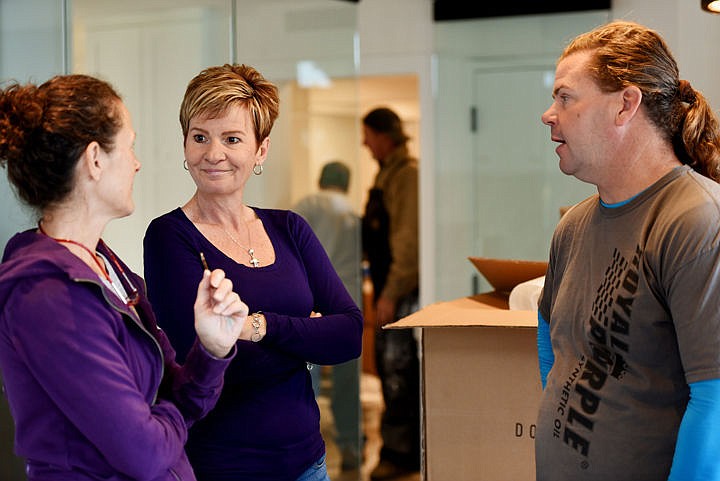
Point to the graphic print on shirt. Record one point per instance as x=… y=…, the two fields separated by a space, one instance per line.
x=606 y=333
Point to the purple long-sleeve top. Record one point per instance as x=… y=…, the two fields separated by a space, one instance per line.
x=266 y=425
x=92 y=384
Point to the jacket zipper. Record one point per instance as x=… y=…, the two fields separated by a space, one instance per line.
x=135 y=319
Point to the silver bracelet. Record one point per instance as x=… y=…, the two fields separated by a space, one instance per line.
x=256 y=323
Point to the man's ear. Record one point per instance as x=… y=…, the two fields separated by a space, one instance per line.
x=631 y=99
x=92 y=160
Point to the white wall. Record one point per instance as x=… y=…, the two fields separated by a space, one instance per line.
x=498 y=190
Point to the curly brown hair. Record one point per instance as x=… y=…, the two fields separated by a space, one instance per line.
x=45 y=129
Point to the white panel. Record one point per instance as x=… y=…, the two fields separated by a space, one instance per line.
x=150 y=58
x=495 y=193
x=518 y=186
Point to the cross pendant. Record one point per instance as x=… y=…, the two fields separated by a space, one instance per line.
x=253 y=260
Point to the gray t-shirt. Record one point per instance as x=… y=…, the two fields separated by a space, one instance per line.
x=632 y=294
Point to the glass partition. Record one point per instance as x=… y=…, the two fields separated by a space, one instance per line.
x=149 y=50
x=309 y=49
x=497 y=183
x=31 y=48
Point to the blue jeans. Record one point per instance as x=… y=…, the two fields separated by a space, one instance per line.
x=316 y=472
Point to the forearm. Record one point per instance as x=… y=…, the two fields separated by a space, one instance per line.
x=330 y=339
x=546 y=358
x=334 y=337
x=172 y=272
x=196 y=385
x=698 y=441
x=403 y=276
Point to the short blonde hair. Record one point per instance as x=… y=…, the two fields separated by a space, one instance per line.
x=212 y=91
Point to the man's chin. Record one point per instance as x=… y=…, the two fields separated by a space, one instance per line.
x=565 y=168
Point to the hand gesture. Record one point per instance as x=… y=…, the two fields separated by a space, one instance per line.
x=385 y=309
x=219 y=313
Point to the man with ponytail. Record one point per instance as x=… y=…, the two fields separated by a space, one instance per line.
x=629 y=317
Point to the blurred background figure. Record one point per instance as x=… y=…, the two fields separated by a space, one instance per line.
x=390 y=244
x=331 y=216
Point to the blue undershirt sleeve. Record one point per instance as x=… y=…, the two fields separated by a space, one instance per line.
x=698 y=441
x=546 y=358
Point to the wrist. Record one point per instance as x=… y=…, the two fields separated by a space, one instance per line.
x=259 y=325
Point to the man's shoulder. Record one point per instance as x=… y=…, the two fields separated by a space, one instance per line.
x=400 y=174
x=318 y=201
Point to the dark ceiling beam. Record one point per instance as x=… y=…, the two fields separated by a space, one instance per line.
x=468 y=9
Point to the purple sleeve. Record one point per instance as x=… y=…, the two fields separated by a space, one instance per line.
x=172 y=273
x=335 y=337
x=78 y=356
x=195 y=386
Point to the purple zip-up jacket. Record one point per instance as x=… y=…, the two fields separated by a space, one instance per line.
x=92 y=384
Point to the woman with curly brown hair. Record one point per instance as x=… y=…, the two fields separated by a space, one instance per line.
x=91 y=380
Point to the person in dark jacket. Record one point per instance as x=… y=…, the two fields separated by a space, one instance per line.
x=390 y=244
x=92 y=382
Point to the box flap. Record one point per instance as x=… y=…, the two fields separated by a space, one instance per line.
x=504 y=274
x=466 y=311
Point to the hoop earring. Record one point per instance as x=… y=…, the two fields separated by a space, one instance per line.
x=258 y=169
x=185 y=165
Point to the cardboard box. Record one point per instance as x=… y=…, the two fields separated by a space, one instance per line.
x=480 y=380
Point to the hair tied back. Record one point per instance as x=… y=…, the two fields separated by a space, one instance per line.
x=686 y=92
